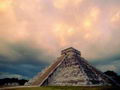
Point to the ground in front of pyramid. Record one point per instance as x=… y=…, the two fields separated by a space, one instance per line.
x=70 y=69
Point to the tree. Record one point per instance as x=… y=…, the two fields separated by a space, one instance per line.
x=12 y=81
x=113 y=75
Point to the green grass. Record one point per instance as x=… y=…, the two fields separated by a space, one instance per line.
x=67 y=88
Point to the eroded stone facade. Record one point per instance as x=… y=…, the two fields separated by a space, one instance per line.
x=71 y=70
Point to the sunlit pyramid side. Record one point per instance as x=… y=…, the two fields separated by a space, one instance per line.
x=70 y=69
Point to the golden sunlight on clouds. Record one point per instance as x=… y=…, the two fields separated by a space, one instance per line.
x=87 y=23
x=94 y=13
x=116 y=17
x=61 y=4
x=62 y=32
x=5 y=4
x=87 y=36
x=64 y=29
x=92 y=36
x=91 y=18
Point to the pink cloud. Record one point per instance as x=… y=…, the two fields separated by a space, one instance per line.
x=45 y=24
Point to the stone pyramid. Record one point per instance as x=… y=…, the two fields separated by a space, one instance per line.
x=70 y=69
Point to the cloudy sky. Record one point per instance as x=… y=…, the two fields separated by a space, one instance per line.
x=33 y=32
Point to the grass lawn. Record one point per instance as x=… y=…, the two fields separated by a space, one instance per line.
x=66 y=88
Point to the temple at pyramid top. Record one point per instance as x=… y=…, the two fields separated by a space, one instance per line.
x=70 y=50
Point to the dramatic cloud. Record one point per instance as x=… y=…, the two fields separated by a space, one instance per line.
x=113 y=66
x=35 y=31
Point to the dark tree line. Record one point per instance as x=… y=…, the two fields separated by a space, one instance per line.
x=12 y=81
x=113 y=75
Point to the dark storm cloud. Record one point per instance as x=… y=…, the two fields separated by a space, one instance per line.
x=26 y=70
x=30 y=62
